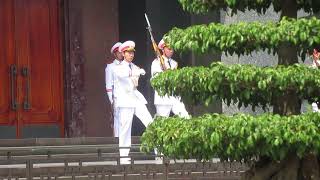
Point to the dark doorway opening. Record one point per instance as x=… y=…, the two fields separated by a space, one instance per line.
x=132 y=26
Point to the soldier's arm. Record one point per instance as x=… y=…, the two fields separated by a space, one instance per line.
x=121 y=72
x=109 y=82
x=137 y=71
x=155 y=68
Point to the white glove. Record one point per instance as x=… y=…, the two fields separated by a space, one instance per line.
x=138 y=72
x=142 y=71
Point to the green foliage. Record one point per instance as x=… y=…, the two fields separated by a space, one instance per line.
x=244 y=38
x=204 y=6
x=245 y=84
x=239 y=137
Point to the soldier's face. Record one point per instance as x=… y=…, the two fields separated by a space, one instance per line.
x=128 y=55
x=118 y=55
x=168 y=52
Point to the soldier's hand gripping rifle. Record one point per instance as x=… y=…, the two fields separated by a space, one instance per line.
x=154 y=45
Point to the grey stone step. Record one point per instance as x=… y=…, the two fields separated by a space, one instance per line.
x=63 y=141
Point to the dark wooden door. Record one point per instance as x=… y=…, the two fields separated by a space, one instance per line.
x=32 y=74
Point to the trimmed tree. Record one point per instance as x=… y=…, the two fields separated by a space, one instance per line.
x=282 y=145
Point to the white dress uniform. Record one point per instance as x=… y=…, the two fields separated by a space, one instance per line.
x=109 y=78
x=314 y=105
x=165 y=104
x=129 y=101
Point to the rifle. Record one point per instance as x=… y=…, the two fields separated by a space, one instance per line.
x=154 y=45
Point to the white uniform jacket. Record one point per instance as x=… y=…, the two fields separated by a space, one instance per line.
x=314 y=105
x=125 y=85
x=155 y=69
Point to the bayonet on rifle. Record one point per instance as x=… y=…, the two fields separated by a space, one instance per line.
x=154 y=45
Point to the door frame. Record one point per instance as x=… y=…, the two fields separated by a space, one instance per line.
x=73 y=61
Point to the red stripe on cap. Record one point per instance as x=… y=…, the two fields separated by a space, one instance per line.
x=124 y=48
x=115 y=49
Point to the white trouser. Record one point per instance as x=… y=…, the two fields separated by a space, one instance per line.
x=315 y=107
x=116 y=122
x=125 y=122
x=177 y=108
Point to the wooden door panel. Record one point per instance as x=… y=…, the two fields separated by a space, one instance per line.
x=7 y=45
x=41 y=56
x=30 y=39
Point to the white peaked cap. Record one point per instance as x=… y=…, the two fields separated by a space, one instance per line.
x=115 y=47
x=127 y=46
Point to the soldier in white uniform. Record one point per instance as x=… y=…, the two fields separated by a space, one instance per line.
x=109 y=78
x=315 y=64
x=127 y=98
x=165 y=104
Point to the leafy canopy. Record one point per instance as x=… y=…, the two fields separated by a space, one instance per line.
x=204 y=6
x=244 y=38
x=245 y=84
x=240 y=137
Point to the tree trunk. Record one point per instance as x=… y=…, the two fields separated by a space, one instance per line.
x=310 y=167
x=289 y=171
x=290 y=168
x=289 y=103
